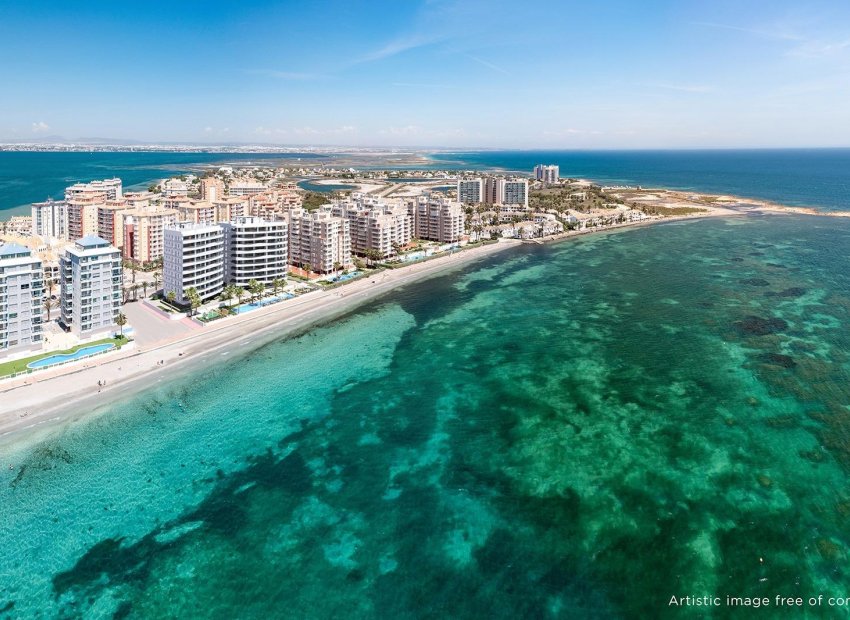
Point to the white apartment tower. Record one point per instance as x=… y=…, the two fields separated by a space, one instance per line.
x=493 y=191
x=437 y=219
x=319 y=239
x=90 y=276
x=378 y=227
x=21 y=287
x=549 y=174
x=255 y=249
x=193 y=257
x=49 y=219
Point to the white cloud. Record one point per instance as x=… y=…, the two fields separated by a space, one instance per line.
x=398 y=46
x=40 y=127
x=267 y=131
x=328 y=131
x=488 y=64
x=417 y=131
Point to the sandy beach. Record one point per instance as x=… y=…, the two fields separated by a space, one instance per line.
x=38 y=404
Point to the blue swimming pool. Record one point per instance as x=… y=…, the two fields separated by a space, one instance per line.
x=346 y=276
x=261 y=304
x=69 y=357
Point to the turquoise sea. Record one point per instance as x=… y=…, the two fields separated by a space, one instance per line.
x=580 y=430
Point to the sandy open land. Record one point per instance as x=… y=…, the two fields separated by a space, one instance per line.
x=34 y=405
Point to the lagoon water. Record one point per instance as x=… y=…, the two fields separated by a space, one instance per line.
x=579 y=430
x=27 y=177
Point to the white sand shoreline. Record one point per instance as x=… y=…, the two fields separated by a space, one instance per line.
x=37 y=404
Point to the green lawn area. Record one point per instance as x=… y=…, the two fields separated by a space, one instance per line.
x=8 y=368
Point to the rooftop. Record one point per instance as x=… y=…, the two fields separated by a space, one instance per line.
x=92 y=241
x=8 y=250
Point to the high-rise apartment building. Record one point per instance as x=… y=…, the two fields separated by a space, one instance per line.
x=193 y=257
x=470 y=191
x=21 y=285
x=110 y=188
x=49 y=219
x=144 y=233
x=493 y=191
x=212 y=189
x=319 y=239
x=514 y=192
x=81 y=215
x=255 y=249
x=379 y=227
x=90 y=294
x=437 y=219
x=549 y=174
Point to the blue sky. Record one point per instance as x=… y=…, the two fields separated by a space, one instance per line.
x=543 y=74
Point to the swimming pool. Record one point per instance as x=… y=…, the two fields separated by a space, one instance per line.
x=346 y=276
x=261 y=304
x=70 y=357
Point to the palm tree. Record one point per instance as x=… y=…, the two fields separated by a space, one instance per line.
x=49 y=283
x=194 y=299
x=171 y=297
x=256 y=289
x=233 y=291
x=252 y=289
x=157 y=278
x=277 y=284
x=145 y=288
x=241 y=294
x=135 y=289
x=121 y=321
x=48 y=306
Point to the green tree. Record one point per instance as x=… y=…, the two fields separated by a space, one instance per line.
x=121 y=321
x=277 y=285
x=48 y=306
x=171 y=297
x=145 y=288
x=256 y=289
x=157 y=280
x=193 y=298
